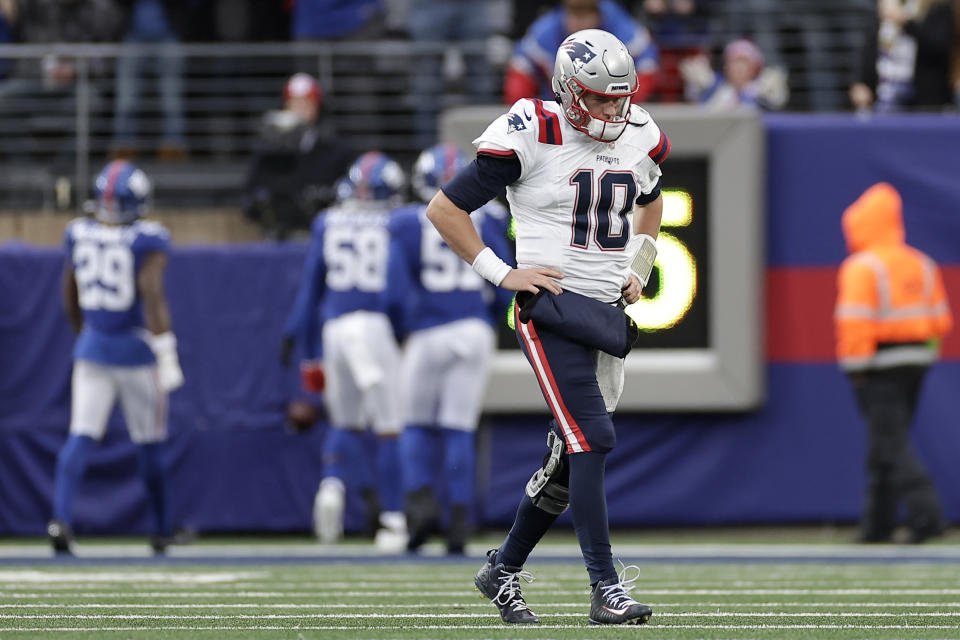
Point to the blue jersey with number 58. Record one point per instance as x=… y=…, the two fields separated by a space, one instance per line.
x=429 y=284
x=106 y=260
x=346 y=269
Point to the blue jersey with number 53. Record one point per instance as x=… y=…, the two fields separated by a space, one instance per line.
x=429 y=284
x=106 y=260
x=346 y=269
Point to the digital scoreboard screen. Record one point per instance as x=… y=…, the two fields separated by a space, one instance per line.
x=673 y=313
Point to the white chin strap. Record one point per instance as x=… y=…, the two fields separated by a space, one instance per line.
x=605 y=130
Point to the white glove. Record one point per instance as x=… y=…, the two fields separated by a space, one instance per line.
x=697 y=74
x=772 y=87
x=169 y=374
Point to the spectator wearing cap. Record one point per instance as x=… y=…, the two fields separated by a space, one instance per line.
x=745 y=81
x=302 y=96
x=294 y=166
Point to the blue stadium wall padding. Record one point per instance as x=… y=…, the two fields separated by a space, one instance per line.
x=818 y=164
x=234 y=466
x=799 y=459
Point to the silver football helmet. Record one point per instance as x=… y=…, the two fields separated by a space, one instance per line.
x=595 y=62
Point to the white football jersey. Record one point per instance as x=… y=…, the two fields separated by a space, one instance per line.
x=573 y=203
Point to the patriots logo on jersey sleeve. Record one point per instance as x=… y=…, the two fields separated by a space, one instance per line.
x=579 y=53
x=515 y=123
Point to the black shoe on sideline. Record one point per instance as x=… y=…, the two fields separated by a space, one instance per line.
x=458 y=530
x=181 y=536
x=423 y=517
x=371 y=508
x=921 y=535
x=501 y=584
x=610 y=603
x=873 y=537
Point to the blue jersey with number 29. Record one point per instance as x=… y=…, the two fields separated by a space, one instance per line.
x=106 y=260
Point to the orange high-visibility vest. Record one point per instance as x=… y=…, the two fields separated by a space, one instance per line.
x=891 y=301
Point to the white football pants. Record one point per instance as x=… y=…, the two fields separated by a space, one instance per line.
x=444 y=374
x=361 y=361
x=95 y=388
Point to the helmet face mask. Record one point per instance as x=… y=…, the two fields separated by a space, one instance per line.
x=593 y=65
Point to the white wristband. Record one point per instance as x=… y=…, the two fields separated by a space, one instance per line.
x=169 y=373
x=490 y=266
x=642 y=264
x=163 y=343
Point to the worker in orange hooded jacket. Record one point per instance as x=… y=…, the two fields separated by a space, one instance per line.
x=891 y=314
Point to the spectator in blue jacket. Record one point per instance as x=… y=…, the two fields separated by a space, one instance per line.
x=531 y=67
x=337 y=19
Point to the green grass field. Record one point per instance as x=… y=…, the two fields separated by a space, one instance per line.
x=706 y=585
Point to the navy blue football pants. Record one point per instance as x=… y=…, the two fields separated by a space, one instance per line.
x=566 y=373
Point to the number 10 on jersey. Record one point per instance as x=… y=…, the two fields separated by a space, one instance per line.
x=610 y=228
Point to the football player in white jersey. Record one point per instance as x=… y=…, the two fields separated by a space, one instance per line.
x=125 y=350
x=583 y=180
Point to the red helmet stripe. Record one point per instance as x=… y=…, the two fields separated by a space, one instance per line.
x=116 y=168
x=449 y=161
x=367 y=163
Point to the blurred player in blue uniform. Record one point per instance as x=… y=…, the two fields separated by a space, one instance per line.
x=449 y=313
x=125 y=350
x=341 y=298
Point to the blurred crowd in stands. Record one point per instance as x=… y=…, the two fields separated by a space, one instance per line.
x=904 y=43
x=813 y=55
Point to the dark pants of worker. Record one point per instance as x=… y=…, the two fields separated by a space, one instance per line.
x=887 y=399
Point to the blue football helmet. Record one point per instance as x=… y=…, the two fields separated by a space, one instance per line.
x=121 y=193
x=435 y=167
x=374 y=176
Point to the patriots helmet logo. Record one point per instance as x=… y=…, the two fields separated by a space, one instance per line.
x=515 y=123
x=579 y=53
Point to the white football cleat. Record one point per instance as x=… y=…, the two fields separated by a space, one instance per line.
x=394 y=521
x=392 y=536
x=328 y=507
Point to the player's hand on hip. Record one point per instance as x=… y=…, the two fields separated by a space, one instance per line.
x=631 y=289
x=532 y=280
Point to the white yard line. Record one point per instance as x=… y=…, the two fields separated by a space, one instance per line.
x=429 y=616
x=478 y=605
x=469 y=593
x=560 y=550
x=91 y=577
x=513 y=629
